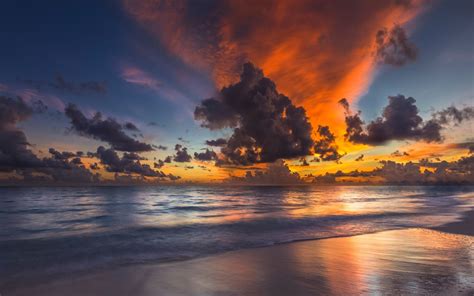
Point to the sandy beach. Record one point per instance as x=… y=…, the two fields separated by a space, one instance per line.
x=398 y=262
x=464 y=226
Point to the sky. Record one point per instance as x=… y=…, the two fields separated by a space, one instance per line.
x=236 y=91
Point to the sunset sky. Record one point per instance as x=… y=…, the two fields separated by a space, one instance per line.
x=155 y=70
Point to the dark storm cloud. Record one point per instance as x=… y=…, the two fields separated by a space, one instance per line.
x=113 y=163
x=107 y=130
x=393 y=47
x=326 y=146
x=399 y=121
x=207 y=155
x=267 y=126
x=217 y=142
x=181 y=154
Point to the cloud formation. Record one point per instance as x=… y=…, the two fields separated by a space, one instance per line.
x=63 y=166
x=14 y=146
x=107 y=130
x=427 y=172
x=267 y=126
x=15 y=155
x=393 y=47
x=128 y=163
x=207 y=155
x=181 y=154
x=453 y=115
x=276 y=173
x=216 y=142
x=326 y=146
x=399 y=121
x=315 y=50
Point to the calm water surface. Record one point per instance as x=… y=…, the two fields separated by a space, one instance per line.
x=56 y=231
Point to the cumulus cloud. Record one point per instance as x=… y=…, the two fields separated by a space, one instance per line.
x=393 y=47
x=104 y=129
x=399 y=121
x=315 y=50
x=207 y=155
x=276 y=173
x=62 y=167
x=15 y=155
x=181 y=154
x=460 y=171
x=61 y=155
x=128 y=163
x=326 y=146
x=267 y=126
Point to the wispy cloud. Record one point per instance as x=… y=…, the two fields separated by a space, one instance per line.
x=141 y=78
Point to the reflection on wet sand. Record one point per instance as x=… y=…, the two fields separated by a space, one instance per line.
x=399 y=262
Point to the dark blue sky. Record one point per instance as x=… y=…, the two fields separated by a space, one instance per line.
x=158 y=66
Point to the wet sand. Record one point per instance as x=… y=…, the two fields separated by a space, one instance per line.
x=464 y=226
x=398 y=262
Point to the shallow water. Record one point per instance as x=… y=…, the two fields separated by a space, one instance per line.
x=395 y=262
x=51 y=231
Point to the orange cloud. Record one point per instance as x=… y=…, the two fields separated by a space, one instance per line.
x=316 y=51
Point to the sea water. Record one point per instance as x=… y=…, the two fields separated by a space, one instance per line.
x=47 y=232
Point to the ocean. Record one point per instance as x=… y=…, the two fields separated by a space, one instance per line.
x=51 y=232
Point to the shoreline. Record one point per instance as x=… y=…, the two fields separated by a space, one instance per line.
x=464 y=226
x=309 y=267
x=91 y=280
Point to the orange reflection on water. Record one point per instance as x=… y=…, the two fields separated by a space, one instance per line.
x=401 y=262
